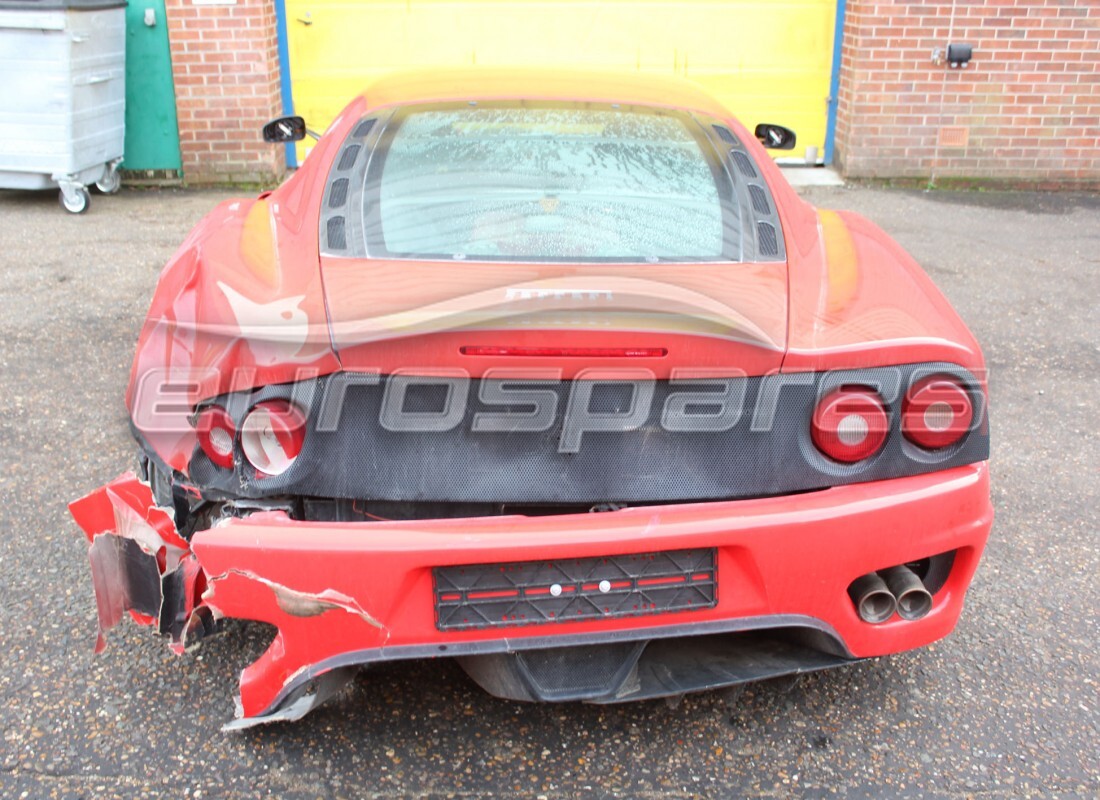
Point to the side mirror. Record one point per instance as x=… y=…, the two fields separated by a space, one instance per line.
x=285 y=129
x=775 y=137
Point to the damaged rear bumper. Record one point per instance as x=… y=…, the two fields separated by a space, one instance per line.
x=346 y=594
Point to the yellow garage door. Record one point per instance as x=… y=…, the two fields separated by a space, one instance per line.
x=769 y=61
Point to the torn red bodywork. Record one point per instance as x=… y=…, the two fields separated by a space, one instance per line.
x=249 y=308
x=140 y=563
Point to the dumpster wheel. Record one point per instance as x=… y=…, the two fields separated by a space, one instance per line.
x=76 y=201
x=111 y=180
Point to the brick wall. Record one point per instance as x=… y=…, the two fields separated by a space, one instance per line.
x=1026 y=109
x=225 y=63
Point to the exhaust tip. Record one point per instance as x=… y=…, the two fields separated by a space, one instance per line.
x=872 y=598
x=914 y=601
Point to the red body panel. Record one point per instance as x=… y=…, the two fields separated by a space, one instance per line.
x=240 y=305
x=391 y=315
x=858 y=300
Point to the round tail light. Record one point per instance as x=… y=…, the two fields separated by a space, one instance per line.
x=849 y=424
x=216 y=433
x=937 y=412
x=272 y=435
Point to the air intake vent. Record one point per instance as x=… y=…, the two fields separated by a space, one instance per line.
x=724 y=134
x=572 y=589
x=347 y=158
x=766 y=239
x=337 y=240
x=363 y=129
x=759 y=201
x=743 y=164
x=338 y=194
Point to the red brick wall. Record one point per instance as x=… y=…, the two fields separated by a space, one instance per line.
x=1026 y=108
x=225 y=62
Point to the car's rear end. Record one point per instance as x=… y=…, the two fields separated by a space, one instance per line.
x=574 y=391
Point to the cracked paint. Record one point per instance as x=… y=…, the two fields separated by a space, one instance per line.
x=297 y=603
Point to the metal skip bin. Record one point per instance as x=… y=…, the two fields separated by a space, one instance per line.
x=62 y=96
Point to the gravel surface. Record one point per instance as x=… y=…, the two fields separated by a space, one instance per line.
x=1005 y=707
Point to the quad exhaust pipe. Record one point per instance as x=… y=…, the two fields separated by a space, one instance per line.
x=879 y=595
x=914 y=600
x=873 y=600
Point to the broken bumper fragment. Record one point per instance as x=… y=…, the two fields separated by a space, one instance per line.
x=347 y=594
x=140 y=564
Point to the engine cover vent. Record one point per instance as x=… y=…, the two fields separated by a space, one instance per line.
x=768 y=242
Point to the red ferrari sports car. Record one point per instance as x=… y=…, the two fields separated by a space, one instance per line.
x=554 y=375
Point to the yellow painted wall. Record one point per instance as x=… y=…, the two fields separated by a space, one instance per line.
x=767 y=61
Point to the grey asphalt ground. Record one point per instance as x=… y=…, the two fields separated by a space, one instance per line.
x=1005 y=707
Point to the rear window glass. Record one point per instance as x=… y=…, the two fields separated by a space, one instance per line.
x=548 y=183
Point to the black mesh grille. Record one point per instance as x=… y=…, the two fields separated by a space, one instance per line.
x=338 y=194
x=538 y=592
x=724 y=134
x=347 y=158
x=767 y=241
x=337 y=239
x=744 y=164
x=363 y=128
x=759 y=200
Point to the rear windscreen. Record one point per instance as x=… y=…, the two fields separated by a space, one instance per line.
x=565 y=182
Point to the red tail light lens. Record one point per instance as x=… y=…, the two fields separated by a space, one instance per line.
x=849 y=424
x=216 y=433
x=937 y=412
x=272 y=436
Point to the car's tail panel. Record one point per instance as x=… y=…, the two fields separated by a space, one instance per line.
x=401 y=315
